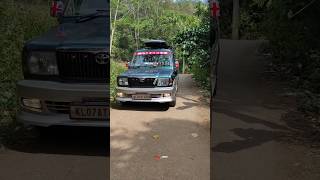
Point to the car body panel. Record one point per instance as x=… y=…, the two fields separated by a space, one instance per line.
x=60 y=93
x=55 y=92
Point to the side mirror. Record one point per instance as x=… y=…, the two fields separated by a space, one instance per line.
x=57 y=8
x=177 y=64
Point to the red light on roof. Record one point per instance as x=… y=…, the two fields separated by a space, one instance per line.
x=151 y=53
x=215 y=8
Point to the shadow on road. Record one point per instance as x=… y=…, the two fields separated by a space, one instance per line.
x=188 y=157
x=133 y=106
x=250 y=138
x=230 y=110
x=66 y=141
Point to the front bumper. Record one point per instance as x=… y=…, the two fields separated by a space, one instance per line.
x=61 y=96
x=156 y=94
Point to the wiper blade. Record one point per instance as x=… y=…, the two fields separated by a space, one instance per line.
x=98 y=13
x=102 y=10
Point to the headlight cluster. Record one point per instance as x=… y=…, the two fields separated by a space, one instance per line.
x=123 y=81
x=165 y=82
x=161 y=82
x=42 y=63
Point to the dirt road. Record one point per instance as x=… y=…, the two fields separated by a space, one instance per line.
x=59 y=154
x=183 y=133
x=250 y=139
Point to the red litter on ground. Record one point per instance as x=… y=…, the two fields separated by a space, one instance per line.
x=157 y=157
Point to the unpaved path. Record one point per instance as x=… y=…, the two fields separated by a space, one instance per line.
x=58 y=154
x=133 y=146
x=250 y=141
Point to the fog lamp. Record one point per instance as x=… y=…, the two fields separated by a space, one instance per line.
x=120 y=94
x=33 y=104
x=166 y=95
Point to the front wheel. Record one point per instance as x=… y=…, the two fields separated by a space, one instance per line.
x=120 y=103
x=215 y=88
x=173 y=103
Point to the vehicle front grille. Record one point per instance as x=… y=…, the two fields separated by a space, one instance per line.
x=64 y=107
x=82 y=66
x=58 y=107
x=142 y=82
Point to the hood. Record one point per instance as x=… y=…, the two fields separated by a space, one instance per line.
x=148 y=72
x=89 y=34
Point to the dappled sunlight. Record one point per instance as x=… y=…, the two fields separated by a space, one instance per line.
x=148 y=143
x=130 y=155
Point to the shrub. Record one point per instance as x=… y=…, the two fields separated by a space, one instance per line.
x=116 y=68
x=19 y=22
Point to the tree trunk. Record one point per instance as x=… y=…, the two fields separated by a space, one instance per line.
x=138 y=30
x=113 y=28
x=183 y=65
x=235 y=20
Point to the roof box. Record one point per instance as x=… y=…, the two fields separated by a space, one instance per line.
x=156 y=44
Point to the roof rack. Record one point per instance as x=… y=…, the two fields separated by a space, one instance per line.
x=156 y=44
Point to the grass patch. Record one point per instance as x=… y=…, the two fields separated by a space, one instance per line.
x=116 y=69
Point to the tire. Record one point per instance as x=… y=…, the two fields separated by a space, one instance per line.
x=214 y=93
x=215 y=90
x=41 y=131
x=119 y=103
x=173 y=103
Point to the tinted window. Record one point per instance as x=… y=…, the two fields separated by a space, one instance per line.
x=83 y=7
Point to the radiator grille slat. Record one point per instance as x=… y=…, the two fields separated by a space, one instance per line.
x=81 y=66
x=142 y=82
x=58 y=107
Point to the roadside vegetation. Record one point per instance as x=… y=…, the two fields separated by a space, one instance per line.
x=116 y=68
x=181 y=23
x=19 y=22
x=292 y=30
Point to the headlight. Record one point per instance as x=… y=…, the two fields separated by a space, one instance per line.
x=164 y=82
x=42 y=63
x=123 y=81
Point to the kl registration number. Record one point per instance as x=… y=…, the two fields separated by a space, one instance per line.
x=89 y=112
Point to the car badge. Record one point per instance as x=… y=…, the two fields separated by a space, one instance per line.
x=102 y=58
x=142 y=79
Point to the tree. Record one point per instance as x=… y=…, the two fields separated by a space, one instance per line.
x=113 y=27
x=235 y=19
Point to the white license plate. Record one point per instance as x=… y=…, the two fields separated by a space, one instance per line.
x=89 y=112
x=141 y=96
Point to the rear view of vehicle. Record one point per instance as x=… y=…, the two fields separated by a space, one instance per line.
x=152 y=76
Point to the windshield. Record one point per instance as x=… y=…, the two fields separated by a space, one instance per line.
x=153 y=59
x=84 y=7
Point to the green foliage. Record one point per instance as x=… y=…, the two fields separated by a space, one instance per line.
x=116 y=69
x=295 y=44
x=192 y=46
x=148 y=19
x=309 y=103
x=252 y=14
x=19 y=22
x=184 y=24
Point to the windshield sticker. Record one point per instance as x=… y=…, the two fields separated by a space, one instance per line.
x=151 y=53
